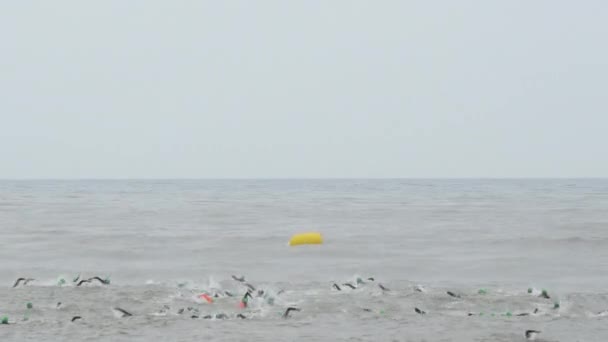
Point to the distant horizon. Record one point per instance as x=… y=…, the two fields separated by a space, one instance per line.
x=301 y=178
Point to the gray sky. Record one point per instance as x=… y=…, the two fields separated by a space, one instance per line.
x=129 y=89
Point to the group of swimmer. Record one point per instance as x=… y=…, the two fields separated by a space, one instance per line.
x=251 y=292
x=359 y=281
x=77 y=281
x=419 y=288
x=118 y=312
x=529 y=334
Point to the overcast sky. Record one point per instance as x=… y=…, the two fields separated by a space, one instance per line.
x=172 y=89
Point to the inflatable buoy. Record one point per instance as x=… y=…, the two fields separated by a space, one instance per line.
x=306 y=239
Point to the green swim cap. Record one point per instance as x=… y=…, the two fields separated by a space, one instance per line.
x=529 y=290
x=29 y=305
x=5 y=320
x=61 y=281
x=508 y=314
x=556 y=305
x=482 y=291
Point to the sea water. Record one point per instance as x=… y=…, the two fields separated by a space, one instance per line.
x=164 y=242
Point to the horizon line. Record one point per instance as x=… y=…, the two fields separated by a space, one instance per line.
x=297 y=178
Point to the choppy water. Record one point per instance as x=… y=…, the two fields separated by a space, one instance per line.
x=165 y=242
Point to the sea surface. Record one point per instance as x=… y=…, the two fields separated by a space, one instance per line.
x=494 y=244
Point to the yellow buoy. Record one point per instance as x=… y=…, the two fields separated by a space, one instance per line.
x=306 y=239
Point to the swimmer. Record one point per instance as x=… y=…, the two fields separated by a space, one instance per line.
x=245 y=299
x=349 y=285
x=241 y=316
x=206 y=297
x=240 y=279
x=83 y=281
x=290 y=309
x=90 y=280
x=228 y=294
x=103 y=281
x=419 y=288
x=76 y=318
x=602 y=313
x=194 y=312
x=360 y=280
x=452 y=294
x=221 y=316
x=164 y=310
x=544 y=294
x=120 y=313
x=382 y=287
x=24 y=280
x=532 y=334
x=420 y=312
x=337 y=287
